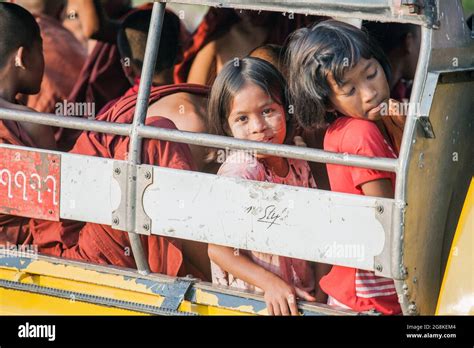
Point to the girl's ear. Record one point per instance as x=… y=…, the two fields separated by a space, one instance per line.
x=20 y=58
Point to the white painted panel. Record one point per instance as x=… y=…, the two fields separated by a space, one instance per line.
x=311 y=224
x=88 y=190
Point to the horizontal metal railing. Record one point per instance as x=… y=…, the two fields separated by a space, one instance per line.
x=216 y=141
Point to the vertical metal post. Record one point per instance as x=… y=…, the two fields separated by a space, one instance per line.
x=134 y=152
x=398 y=223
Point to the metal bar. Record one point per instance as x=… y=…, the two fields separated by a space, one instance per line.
x=398 y=271
x=72 y=122
x=134 y=155
x=313 y=155
x=371 y=10
x=152 y=46
x=202 y=139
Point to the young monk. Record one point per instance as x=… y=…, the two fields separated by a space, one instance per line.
x=64 y=57
x=132 y=43
x=103 y=244
x=21 y=71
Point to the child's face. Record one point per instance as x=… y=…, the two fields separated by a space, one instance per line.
x=255 y=116
x=363 y=93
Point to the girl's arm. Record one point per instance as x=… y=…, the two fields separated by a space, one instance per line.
x=280 y=297
x=321 y=269
x=378 y=188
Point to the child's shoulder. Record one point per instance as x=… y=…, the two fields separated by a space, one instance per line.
x=241 y=164
x=352 y=125
x=353 y=135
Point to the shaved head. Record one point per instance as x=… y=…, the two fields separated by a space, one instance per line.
x=133 y=34
x=51 y=8
x=18 y=28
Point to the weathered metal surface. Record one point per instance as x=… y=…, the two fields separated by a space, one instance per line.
x=251 y=303
x=30 y=184
x=379 y=10
x=439 y=173
x=88 y=191
x=285 y=220
x=127 y=289
x=98 y=300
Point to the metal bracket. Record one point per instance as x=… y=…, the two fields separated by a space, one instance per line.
x=119 y=216
x=426 y=126
x=414 y=6
x=130 y=215
x=426 y=7
x=382 y=262
x=145 y=179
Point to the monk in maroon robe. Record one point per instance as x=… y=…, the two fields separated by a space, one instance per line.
x=21 y=71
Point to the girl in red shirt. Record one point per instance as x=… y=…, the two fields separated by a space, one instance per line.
x=337 y=75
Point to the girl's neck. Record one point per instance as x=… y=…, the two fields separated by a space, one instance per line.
x=278 y=165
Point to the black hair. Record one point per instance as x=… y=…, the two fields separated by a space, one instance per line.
x=314 y=53
x=132 y=38
x=230 y=81
x=18 y=28
x=390 y=35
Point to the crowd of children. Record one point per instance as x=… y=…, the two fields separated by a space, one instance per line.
x=323 y=85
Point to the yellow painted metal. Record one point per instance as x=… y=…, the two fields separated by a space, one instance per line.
x=212 y=300
x=90 y=282
x=14 y=302
x=97 y=288
x=204 y=309
x=457 y=290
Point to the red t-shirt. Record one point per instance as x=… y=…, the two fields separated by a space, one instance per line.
x=359 y=290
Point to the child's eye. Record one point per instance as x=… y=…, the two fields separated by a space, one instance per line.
x=351 y=92
x=370 y=77
x=241 y=118
x=267 y=111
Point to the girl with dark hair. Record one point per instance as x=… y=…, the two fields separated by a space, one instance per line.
x=248 y=101
x=337 y=75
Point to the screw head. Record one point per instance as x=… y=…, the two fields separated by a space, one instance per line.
x=148 y=175
x=379 y=209
x=117 y=171
x=146 y=227
x=379 y=268
x=115 y=221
